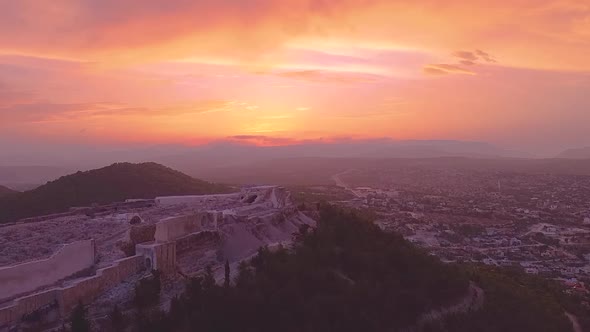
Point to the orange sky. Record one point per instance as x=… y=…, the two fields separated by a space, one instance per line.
x=513 y=72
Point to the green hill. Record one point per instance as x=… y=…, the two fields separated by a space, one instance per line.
x=101 y=186
x=6 y=191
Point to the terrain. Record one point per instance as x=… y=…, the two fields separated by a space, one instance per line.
x=349 y=275
x=6 y=191
x=114 y=183
x=427 y=244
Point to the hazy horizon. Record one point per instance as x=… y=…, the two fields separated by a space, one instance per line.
x=242 y=149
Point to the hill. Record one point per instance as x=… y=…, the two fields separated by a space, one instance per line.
x=6 y=191
x=581 y=153
x=105 y=185
x=349 y=275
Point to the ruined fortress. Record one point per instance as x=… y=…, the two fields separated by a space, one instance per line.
x=178 y=236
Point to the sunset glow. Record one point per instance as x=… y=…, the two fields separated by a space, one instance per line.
x=280 y=72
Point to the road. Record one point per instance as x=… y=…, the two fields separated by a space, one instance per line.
x=336 y=178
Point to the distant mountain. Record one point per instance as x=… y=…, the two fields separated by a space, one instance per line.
x=581 y=153
x=226 y=154
x=6 y=191
x=106 y=185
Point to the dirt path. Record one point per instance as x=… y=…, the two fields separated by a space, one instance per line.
x=576 y=325
x=472 y=301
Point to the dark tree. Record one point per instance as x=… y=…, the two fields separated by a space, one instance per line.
x=227 y=272
x=208 y=280
x=147 y=291
x=117 y=319
x=78 y=319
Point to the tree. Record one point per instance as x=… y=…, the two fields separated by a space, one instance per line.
x=78 y=319
x=147 y=291
x=208 y=279
x=227 y=272
x=117 y=319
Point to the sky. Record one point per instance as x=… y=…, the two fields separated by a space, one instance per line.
x=267 y=72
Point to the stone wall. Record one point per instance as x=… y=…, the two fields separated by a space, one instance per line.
x=142 y=233
x=193 y=199
x=173 y=228
x=159 y=256
x=83 y=290
x=192 y=241
x=27 y=277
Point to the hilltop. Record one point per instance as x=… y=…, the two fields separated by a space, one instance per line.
x=113 y=183
x=6 y=191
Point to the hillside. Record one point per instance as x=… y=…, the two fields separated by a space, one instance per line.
x=106 y=185
x=6 y=191
x=349 y=275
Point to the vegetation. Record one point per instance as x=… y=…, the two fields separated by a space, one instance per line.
x=345 y=275
x=514 y=301
x=226 y=281
x=147 y=291
x=348 y=275
x=78 y=320
x=117 y=320
x=101 y=186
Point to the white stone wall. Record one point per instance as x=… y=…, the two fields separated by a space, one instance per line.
x=193 y=199
x=27 y=277
x=67 y=297
x=172 y=228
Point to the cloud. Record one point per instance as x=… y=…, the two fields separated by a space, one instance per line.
x=485 y=56
x=464 y=58
x=467 y=63
x=473 y=57
x=39 y=112
x=445 y=69
x=322 y=76
x=465 y=55
x=264 y=140
x=246 y=32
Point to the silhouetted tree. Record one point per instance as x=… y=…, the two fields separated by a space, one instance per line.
x=208 y=280
x=147 y=291
x=78 y=319
x=227 y=272
x=117 y=319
